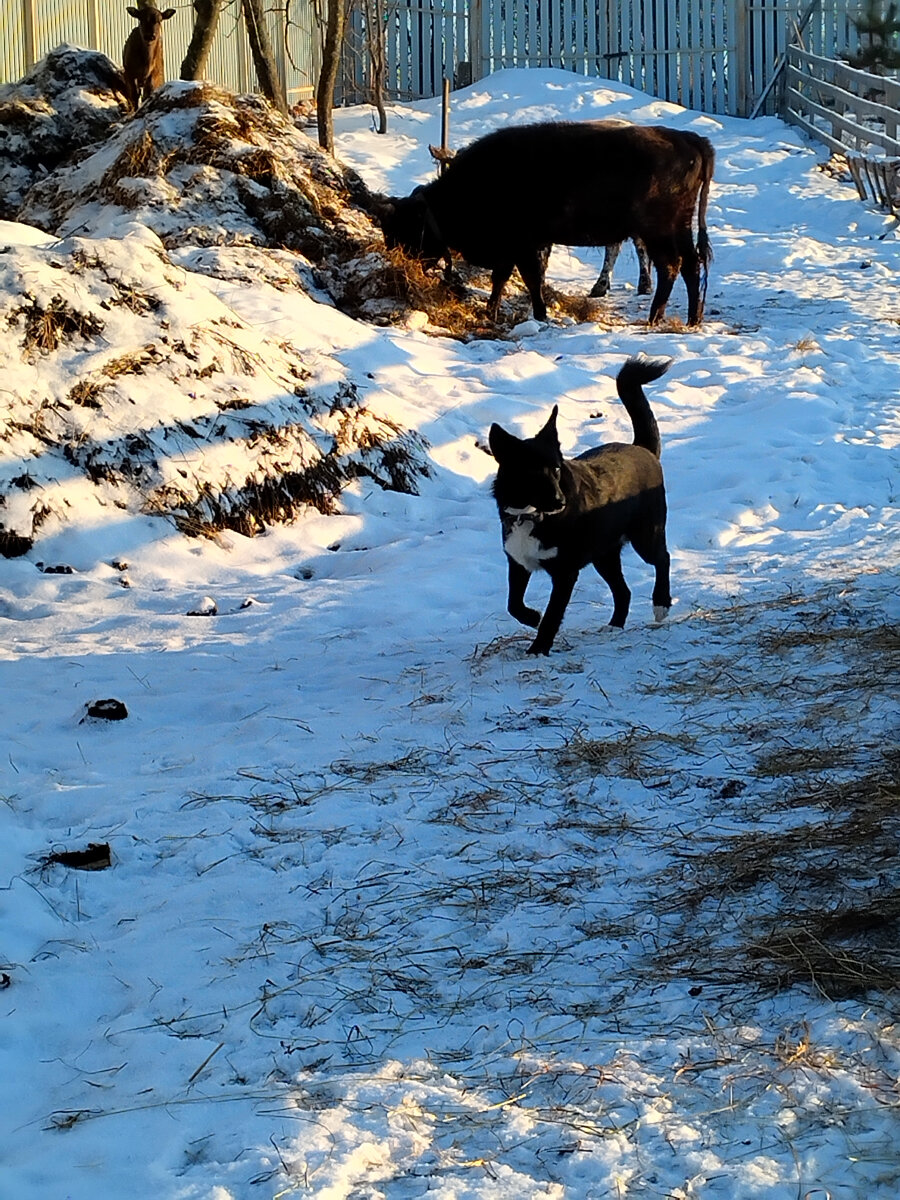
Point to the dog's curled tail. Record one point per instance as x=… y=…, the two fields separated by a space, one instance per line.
x=636 y=372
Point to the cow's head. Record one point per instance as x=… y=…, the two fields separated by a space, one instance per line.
x=150 y=21
x=408 y=222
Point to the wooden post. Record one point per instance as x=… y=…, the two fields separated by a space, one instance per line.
x=476 y=39
x=740 y=89
x=445 y=118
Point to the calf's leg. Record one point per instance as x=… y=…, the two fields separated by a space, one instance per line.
x=499 y=279
x=611 y=253
x=645 y=280
x=690 y=273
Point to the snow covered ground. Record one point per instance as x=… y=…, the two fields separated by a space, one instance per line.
x=394 y=910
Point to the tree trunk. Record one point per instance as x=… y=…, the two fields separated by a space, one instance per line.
x=331 y=60
x=205 y=21
x=263 y=58
x=377 y=64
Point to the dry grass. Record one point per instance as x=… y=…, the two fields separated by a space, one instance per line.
x=47 y=328
x=635 y=753
x=387 y=285
x=816 y=902
x=389 y=291
x=138 y=158
x=86 y=394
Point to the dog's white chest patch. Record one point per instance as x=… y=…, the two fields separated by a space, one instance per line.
x=524 y=548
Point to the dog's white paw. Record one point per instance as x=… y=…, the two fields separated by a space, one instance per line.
x=659 y=613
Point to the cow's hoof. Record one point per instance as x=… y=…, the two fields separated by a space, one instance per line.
x=535 y=649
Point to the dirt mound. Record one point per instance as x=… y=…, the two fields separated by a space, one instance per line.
x=130 y=387
x=69 y=100
x=203 y=167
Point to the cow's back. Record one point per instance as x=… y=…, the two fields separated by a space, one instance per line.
x=569 y=183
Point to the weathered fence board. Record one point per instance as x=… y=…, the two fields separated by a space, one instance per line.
x=854 y=113
x=845 y=108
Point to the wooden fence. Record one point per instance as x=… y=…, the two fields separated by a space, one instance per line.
x=717 y=56
x=854 y=113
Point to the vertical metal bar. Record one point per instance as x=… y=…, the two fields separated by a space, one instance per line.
x=439 y=64
x=391 y=35
x=510 y=11
x=573 y=26
x=406 y=49
x=672 y=44
x=93 y=17
x=711 y=63
x=29 y=15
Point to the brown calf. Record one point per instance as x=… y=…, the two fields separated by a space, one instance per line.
x=142 y=57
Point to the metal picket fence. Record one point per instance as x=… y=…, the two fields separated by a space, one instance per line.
x=717 y=56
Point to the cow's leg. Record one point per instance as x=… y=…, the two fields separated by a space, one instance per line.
x=665 y=258
x=532 y=266
x=515 y=605
x=645 y=280
x=690 y=273
x=611 y=253
x=499 y=279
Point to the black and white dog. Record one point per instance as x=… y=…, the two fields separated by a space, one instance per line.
x=559 y=514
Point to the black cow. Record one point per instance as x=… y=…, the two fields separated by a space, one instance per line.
x=509 y=196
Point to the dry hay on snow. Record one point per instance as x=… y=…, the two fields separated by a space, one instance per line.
x=128 y=385
x=201 y=166
x=69 y=100
x=797 y=879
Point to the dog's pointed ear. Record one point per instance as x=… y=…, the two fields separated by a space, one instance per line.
x=548 y=433
x=500 y=442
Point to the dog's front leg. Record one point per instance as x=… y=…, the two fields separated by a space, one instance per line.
x=560 y=595
x=515 y=605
